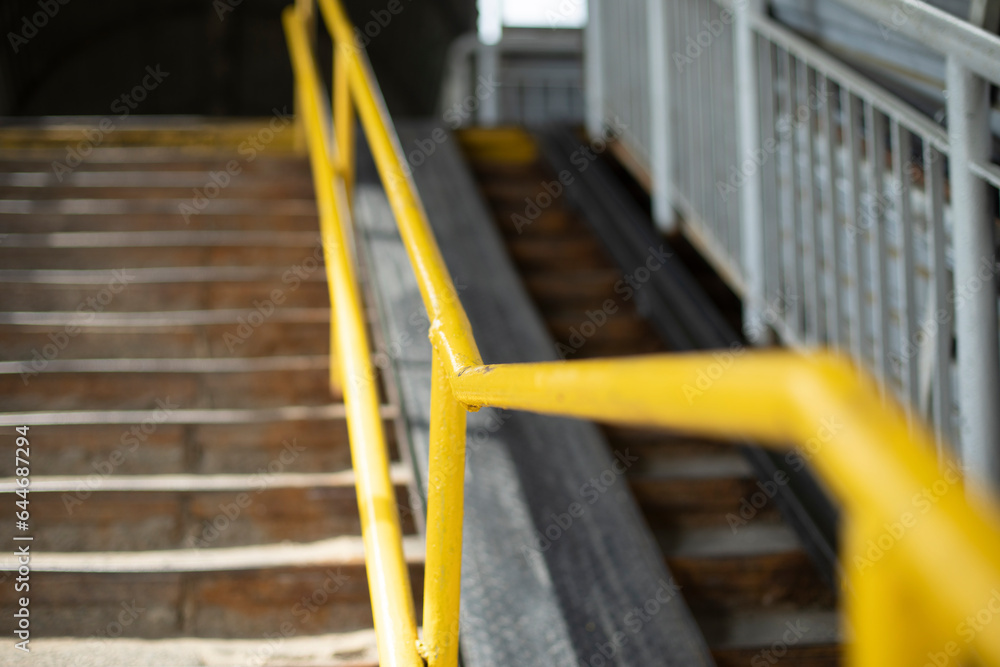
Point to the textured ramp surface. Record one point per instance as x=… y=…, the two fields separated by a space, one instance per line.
x=557 y=568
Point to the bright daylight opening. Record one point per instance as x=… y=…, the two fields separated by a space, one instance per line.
x=493 y=14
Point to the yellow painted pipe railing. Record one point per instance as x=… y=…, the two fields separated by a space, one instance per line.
x=920 y=560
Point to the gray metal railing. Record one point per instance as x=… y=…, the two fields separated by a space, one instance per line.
x=841 y=213
x=531 y=76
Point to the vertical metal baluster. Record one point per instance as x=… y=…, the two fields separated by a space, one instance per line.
x=678 y=68
x=643 y=116
x=636 y=74
x=620 y=74
x=751 y=102
x=594 y=57
x=944 y=310
x=661 y=91
x=831 y=232
x=700 y=202
x=902 y=155
x=613 y=74
x=722 y=68
x=811 y=247
x=686 y=126
x=791 y=293
x=692 y=119
x=973 y=242
x=731 y=144
x=710 y=86
x=798 y=222
x=877 y=254
x=769 y=178
x=852 y=139
x=624 y=94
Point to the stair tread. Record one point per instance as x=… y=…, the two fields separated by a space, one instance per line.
x=163 y=318
x=398 y=474
x=176 y=365
x=160 y=239
x=79 y=206
x=194 y=178
x=151 y=275
x=206 y=416
x=345 y=649
x=201 y=341
x=341 y=550
x=759 y=537
x=722 y=465
x=762 y=627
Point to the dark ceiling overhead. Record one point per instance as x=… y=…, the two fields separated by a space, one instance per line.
x=216 y=57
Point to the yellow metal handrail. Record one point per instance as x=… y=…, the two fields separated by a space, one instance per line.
x=921 y=564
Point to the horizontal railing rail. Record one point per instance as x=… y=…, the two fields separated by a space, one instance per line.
x=942 y=562
x=975 y=47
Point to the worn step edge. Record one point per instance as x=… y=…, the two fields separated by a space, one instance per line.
x=167 y=318
x=160 y=239
x=764 y=627
x=167 y=178
x=168 y=415
x=756 y=538
x=398 y=475
x=347 y=649
x=151 y=276
x=286 y=207
x=344 y=550
x=165 y=365
x=723 y=465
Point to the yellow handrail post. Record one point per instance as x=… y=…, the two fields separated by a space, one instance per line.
x=306 y=10
x=886 y=623
x=388 y=576
x=452 y=334
x=305 y=97
x=335 y=381
x=445 y=509
x=343 y=120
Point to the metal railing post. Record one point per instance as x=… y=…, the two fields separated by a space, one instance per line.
x=750 y=197
x=387 y=572
x=593 y=71
x=343 y=121
x=306 y=10
x=488 y=67
x=445 y=510
x=661 y=115
x=975 y=294
x=881 y=619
